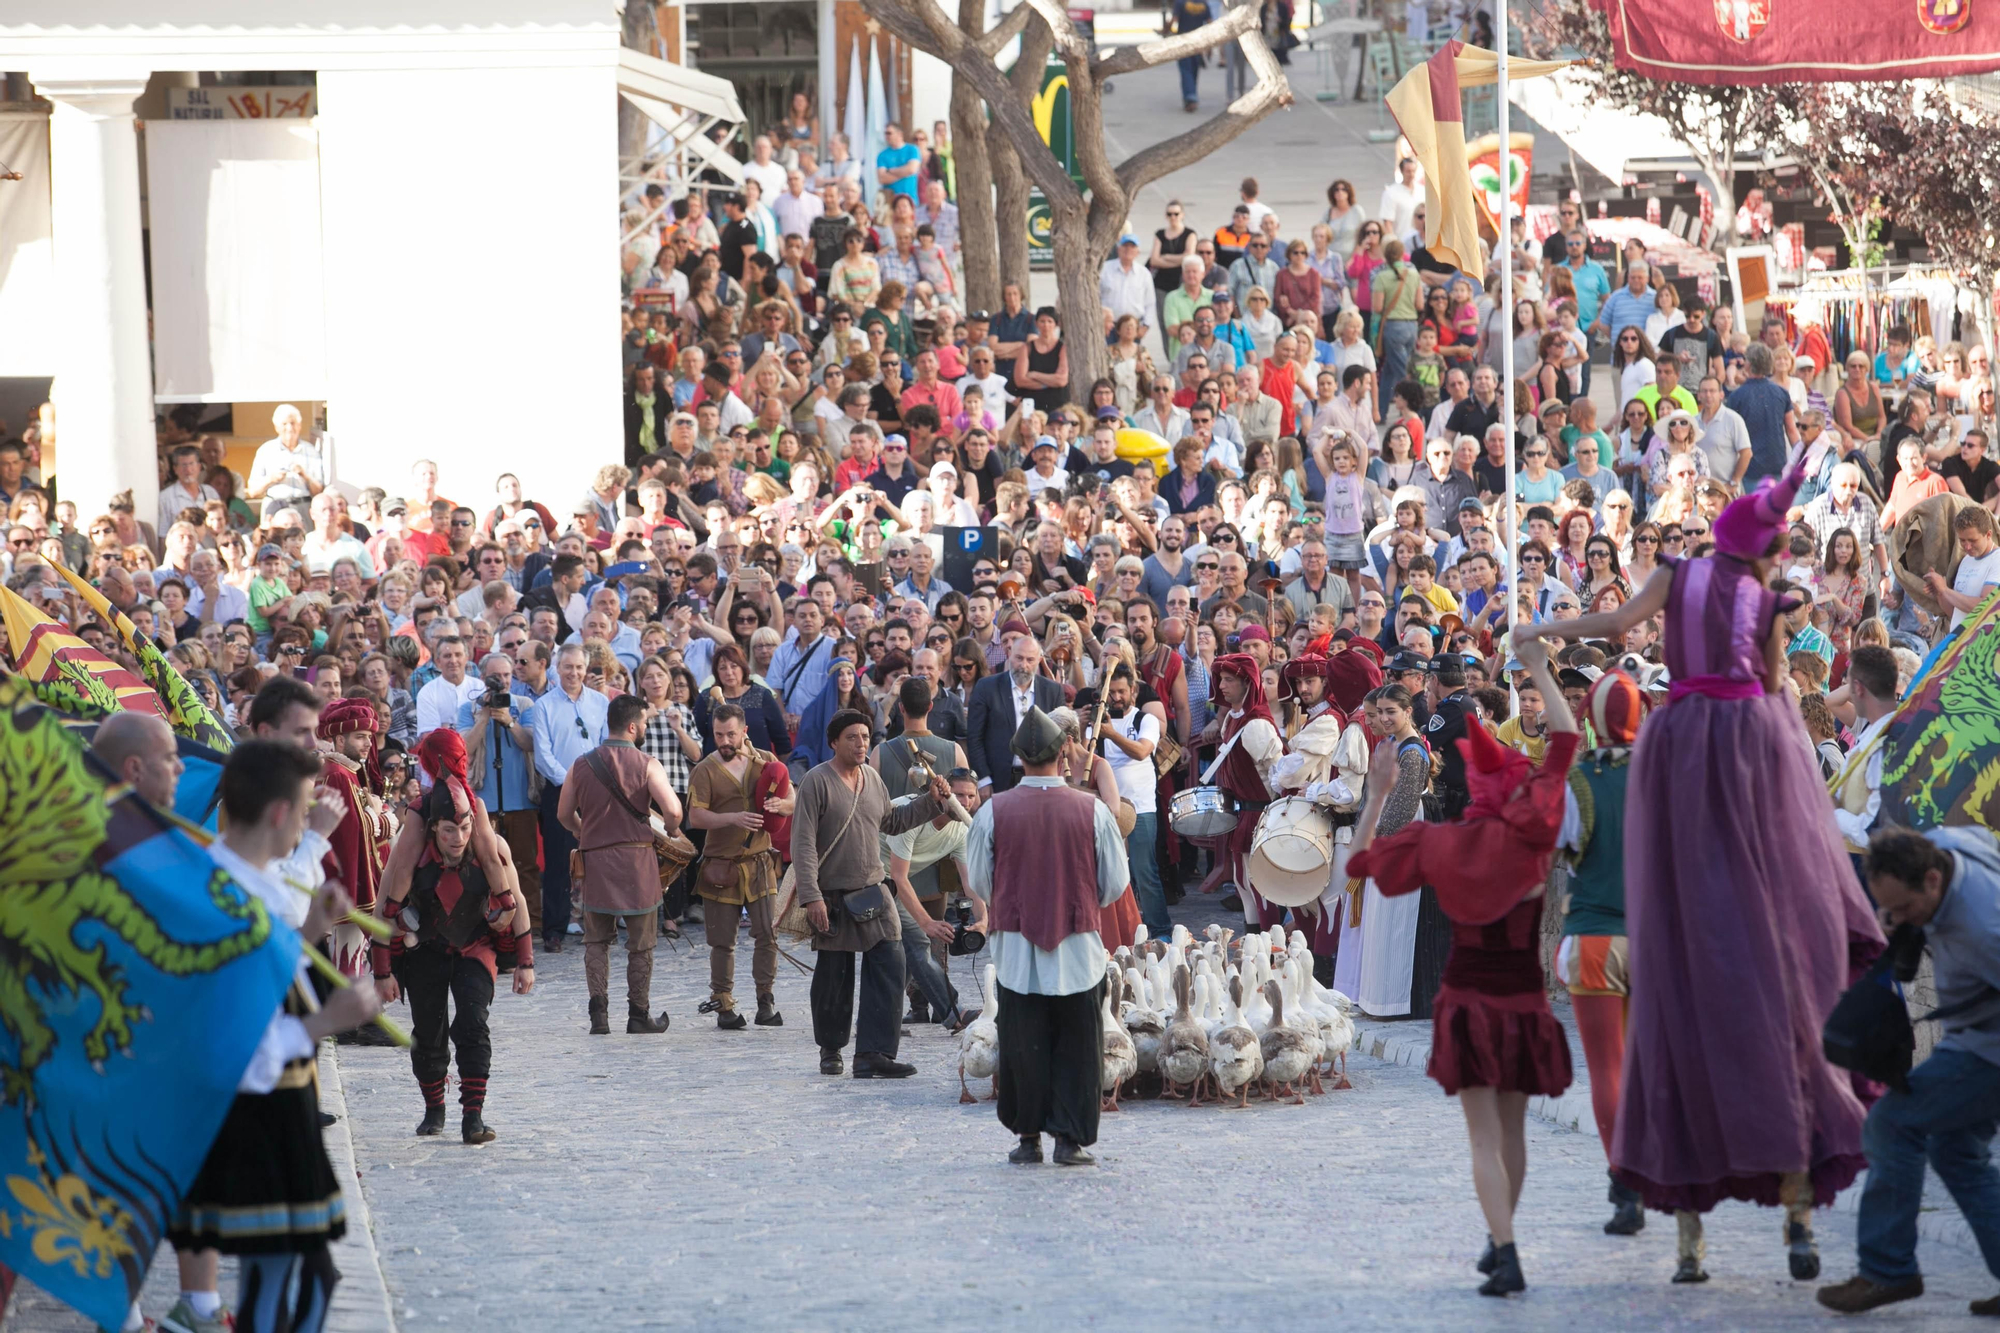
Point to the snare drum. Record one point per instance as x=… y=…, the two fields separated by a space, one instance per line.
x=1291 y=853
x=1202 y=812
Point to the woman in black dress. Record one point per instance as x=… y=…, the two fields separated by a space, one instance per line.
x=1042 y=370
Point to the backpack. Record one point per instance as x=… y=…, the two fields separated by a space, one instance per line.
x=1870 y=1031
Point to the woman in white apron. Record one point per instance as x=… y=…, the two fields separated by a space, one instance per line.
x=1377 y=956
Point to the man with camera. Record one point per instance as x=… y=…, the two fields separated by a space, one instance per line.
x=1945 y=884
x=500 y=756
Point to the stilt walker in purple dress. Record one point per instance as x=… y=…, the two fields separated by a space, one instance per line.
x=1744 y=917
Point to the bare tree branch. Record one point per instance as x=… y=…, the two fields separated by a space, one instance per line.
x=1009 y=27
x=1241 y=18
x=1270 y=92
x=1068 y=40
x=924 y=25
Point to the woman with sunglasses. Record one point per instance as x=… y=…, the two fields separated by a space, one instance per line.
x=1647 y=548
x=1675 y=442
x=1632 y=358
x=1361 y=266
x=1615 y=521
x=1601 y=571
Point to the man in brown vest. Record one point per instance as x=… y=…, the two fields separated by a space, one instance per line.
x=737 y=874
x=1047 y=857
x=604 y=802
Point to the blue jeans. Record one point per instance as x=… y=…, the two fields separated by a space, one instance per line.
x=1142 y=855
x=1190 y=72
x=923 y=969
x=1399 y=339
x=1947 y=1117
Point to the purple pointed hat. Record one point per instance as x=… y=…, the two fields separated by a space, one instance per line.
x=1750 y=523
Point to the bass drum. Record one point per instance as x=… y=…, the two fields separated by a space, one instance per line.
x=1202 y=812
x=1291 y=853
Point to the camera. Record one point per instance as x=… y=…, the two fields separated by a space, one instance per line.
x=498 y=694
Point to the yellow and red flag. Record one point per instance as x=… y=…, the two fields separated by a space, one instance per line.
x=179 y=704
x=67 y=673
x=1427 y=105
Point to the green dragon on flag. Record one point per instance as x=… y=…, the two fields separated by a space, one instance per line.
x=184 y=710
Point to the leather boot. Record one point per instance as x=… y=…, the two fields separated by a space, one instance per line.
x=1506 y=1276
x=767 y=1013
x=1629 y=1219
x=473 y=1129
x=600 y=1015
x=433 y=1121
x=637 y=1021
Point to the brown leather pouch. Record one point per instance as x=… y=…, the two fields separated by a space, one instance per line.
x=717 y=873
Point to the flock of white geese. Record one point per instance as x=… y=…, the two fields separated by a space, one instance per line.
x=1207 y=1027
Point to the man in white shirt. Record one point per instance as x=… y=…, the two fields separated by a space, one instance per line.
x=1159 y=415
x=1127 y=742
x=438 y=702
x=1978 y=567
x=761 y=167
x=286 y=471
x=1125 y=286
x=1401 y=199
x=186 y=490
x=797 y=207
x=992 y=386
x=209 y=598
x=328 y=541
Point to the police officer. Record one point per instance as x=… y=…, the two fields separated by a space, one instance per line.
x=1413 y=674
x=1444 y=690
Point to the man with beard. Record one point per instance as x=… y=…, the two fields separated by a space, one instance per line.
x=842 y=811
x=1047 y=859
x=1127 y=740
x=1167 y=566
x=999 y=703
x=738 y=872
x=454 y=921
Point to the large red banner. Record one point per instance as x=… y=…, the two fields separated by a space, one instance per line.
x=1803 y=41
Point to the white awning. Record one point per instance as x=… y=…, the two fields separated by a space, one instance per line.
x=678 y=86
x=686 y=104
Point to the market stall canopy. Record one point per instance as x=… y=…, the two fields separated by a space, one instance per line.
x=687 y=105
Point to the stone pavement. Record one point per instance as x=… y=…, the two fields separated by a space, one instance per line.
x=710 y=1180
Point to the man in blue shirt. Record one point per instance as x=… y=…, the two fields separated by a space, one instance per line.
x=1629 y=306
x=1767 y=415
x=568 y=723
x=800 y=667
x=1592 y=286
x=501 y=748
x=896 y=165
x=1946 y=883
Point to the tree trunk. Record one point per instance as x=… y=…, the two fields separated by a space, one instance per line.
x=639 y=32
x=1010 y=182
x=978 y=241
x=1082 y=317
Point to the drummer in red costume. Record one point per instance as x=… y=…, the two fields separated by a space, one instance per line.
x=1494 y=1042
x=354 y=861
x=1249 y=735
x=1326 y=761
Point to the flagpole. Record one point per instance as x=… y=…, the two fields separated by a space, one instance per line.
x=1506 y=300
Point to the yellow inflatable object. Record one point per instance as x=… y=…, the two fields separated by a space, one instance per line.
x=1135 y=445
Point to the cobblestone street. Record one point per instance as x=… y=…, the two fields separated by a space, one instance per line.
x=716 y=1180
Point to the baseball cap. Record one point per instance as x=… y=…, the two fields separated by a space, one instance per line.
x=1044 y=442
x=1128 y=239
x=1445 y=662
x=395 y=504
x=1406 y=661
x=270 y=551
x=1470 y=503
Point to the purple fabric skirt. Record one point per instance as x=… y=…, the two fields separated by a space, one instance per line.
x=1746 y=923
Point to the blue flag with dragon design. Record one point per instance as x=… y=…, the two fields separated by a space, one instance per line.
x=135 y=981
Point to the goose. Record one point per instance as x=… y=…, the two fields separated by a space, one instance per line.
x=1336 y=1029
x=979 y=1044
x=1121 y=1059
x=1184 y=1045
x=1300 y=1019
x=1287 y=1051
x=1144 y=1023
x=1235 y=1058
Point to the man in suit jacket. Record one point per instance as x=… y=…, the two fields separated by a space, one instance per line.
x=998 y=704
